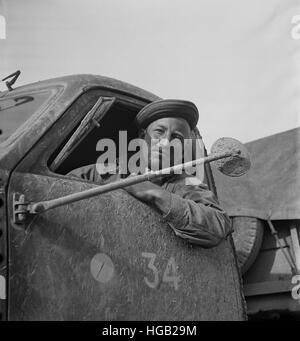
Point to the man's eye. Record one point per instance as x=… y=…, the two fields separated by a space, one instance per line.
x=160 y=131
x=179 y=137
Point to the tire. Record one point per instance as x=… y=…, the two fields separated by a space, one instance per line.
x=247 y=237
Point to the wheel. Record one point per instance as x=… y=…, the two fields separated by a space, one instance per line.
x=247 y=237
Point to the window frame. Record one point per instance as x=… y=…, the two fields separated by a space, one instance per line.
x=61 y=130
x=85 y=127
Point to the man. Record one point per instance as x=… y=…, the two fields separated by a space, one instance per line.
x=190 y=209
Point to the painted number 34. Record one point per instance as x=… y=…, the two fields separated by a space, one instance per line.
x=170 y=274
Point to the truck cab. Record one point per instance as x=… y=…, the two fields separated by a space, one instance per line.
x=109 y=257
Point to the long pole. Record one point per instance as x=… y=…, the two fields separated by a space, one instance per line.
x=68 y=199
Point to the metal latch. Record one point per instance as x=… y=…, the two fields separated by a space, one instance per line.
x=20 y=208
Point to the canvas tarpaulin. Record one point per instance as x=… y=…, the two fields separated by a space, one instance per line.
x=271 y=188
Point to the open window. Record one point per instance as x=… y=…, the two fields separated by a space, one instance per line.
x=106 y=119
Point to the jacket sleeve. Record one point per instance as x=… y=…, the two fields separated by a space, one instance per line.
x=87 y=173
x=196 y=215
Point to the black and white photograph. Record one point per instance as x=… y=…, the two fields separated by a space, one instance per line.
x=149 y=163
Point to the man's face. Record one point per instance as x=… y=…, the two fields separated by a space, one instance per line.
x=165 y=141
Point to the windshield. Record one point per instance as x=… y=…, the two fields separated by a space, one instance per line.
x=15 y=110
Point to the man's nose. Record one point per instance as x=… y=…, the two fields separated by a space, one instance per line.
x=164 y=141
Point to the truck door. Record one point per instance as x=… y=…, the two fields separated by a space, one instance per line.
x=109 y=257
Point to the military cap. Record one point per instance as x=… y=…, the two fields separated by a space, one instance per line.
x=167 y=108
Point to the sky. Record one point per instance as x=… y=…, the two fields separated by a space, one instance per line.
x=237 y=60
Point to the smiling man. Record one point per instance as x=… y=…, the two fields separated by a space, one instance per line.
x=186 y=204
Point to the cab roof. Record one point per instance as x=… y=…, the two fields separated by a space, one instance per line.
x=82 y=81
x=64 y=90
